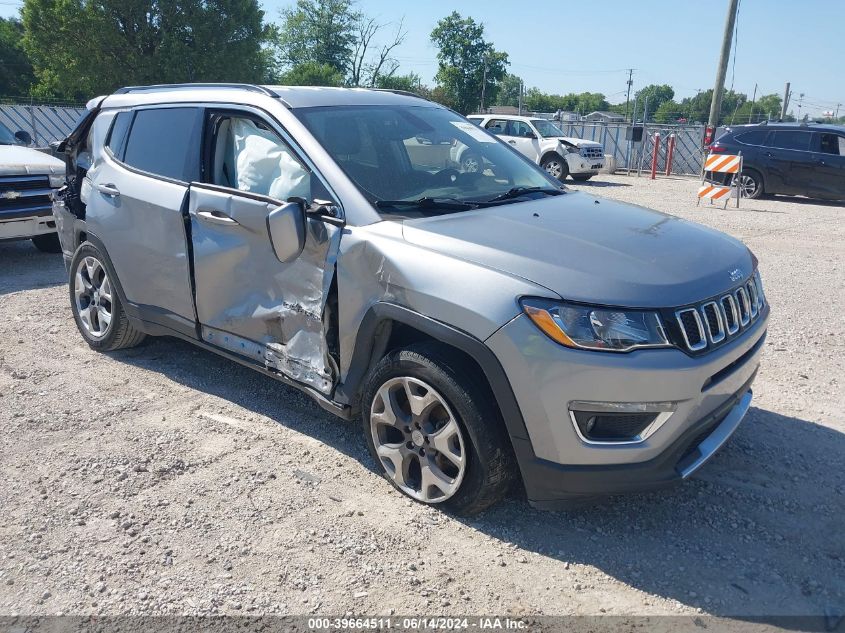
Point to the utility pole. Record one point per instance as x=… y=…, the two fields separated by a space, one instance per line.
x=837 y=110
x=753 y=99
x=521 y=88
x=719 y=88
x=785 y=105
x=628 y=96
x=484 y=84
x=800 y=103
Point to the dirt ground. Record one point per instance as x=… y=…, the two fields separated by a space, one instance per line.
x=165 y=480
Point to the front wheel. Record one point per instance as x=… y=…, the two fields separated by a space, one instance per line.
x=96 y=306
x=434 y=433
x=555 y=166
x=47 y=243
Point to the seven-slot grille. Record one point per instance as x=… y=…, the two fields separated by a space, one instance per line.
x=592 y=152
x=712 y=322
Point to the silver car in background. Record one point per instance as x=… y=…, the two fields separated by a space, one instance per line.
x=488 y=326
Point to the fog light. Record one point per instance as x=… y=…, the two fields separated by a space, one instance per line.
x=618 y=423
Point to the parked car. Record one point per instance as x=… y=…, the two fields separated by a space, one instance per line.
x=542 y=142
x=788 y=158
x=28 y=179
x=484 y=325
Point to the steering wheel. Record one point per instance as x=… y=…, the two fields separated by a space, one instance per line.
x=446 y=176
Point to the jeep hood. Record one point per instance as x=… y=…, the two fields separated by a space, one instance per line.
x=17 y=161
x=592 y=249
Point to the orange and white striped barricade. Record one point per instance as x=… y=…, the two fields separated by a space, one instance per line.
x=721 y=164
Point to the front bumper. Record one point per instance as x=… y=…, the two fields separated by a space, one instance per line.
x=710 y=393
x=25 y=225
x=582 y=165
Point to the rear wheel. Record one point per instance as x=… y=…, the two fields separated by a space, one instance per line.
x=435 y=434
x=96 y=306
x=555 y=166
x=750 y=184
x=47 y=243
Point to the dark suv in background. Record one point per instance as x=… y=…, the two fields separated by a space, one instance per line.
x=788 y=158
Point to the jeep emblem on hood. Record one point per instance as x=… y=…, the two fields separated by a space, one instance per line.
x=736 y=274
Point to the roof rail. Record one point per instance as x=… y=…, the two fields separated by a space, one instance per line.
x=406 y=93
x=250 y=87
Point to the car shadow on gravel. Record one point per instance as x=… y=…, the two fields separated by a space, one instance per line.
x=24 y=267
x=756 y=532
x=597 y=184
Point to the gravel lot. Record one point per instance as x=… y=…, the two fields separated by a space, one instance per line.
x=164 y=480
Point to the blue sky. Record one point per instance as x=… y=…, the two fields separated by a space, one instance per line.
x=581 y=46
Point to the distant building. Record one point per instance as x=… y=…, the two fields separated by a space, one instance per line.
x=502 y=110
x=604 y=117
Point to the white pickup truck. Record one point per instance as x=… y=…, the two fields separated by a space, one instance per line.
x=541 y=141
x=28 y=179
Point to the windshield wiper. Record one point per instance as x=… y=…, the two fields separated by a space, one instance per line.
x=427 y=203
x=516 y=192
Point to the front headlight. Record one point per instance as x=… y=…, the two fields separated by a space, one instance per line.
x=57 y=180
x=598 y=328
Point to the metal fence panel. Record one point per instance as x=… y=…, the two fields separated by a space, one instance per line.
x=45 y=123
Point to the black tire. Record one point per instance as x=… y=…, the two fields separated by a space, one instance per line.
x=47 y=243
x=119 y=333
x=751 y=184
x=582 y=177
x=556 y=166
x=489 y=466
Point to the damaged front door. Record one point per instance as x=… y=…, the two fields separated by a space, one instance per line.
x=248 y=302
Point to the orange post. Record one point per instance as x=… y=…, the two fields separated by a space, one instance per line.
x=670 y=152
x=655 y=155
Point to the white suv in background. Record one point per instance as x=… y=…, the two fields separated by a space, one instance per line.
x=541 y=141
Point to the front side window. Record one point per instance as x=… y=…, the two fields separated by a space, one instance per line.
x=6 y=137
x=249 y=156
x=833 y=144
x=166 y=142
x=378 y=149
x=790 y=139
x=547 y=128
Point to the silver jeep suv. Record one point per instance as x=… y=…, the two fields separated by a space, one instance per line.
x=486 y=325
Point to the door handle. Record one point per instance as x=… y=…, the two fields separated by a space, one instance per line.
x=108 y=190
x=216 y=217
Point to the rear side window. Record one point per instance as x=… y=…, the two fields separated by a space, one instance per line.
x=166 y=142
x=790 y=139
x=757 y=137
x=497 y=126
x=119 y=130
x=833 y=144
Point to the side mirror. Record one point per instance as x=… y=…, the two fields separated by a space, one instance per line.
x=23 y=137
x=286 y=227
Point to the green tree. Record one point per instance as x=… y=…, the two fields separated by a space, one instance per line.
x=409 y=83
x=697 y=108
x=766 y=107
x=81 y=48
x=509 y=88
x=668 y=112
x=465 y=59
x=319 y=32
x=16 y=76
x=311 y=74
x=587 y=102
x=656 y=94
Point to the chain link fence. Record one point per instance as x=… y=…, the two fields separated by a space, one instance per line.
x=688 y=156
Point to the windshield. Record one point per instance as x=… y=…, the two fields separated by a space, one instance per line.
x=6 y=137
x=413 y=153
x=547 y=128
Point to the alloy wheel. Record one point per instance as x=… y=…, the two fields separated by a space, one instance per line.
x=747 y=186
x=553 y=168
x=93 y=295
x=418 y=439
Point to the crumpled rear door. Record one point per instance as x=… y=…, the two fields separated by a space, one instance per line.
x=250 y=303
